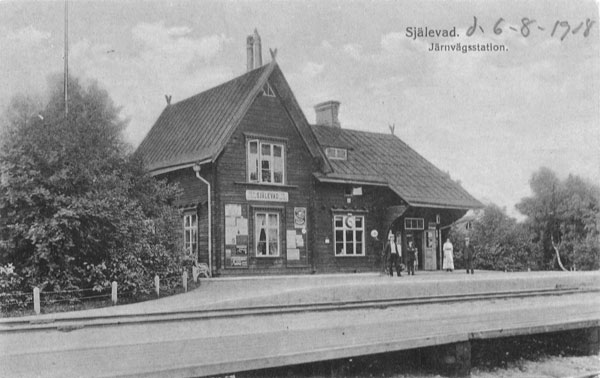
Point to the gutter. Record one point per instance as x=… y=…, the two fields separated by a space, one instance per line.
x=197 y=167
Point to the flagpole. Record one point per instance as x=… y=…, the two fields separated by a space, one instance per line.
x=66 y=69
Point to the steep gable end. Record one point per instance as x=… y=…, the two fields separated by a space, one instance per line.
x=197 y=128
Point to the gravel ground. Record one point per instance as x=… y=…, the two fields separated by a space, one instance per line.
x=547 y=367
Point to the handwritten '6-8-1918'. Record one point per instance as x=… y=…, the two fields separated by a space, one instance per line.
x=561 y=29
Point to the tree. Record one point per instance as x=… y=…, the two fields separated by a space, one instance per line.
x=78 y=210
x=501 y=243
x=564 y=219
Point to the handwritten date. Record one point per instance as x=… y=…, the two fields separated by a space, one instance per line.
x=561 y=28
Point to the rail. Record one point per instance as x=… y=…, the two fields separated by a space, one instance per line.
x=77 y=322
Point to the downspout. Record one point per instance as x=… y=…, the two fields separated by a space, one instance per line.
x=197 y=168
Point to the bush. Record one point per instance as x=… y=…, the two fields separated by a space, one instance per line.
x=78 y=210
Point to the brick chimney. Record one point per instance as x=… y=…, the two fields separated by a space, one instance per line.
x=253 y=51
x=327 y=113
x=257 y=50
x=250 y=53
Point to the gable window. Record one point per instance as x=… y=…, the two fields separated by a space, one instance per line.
x=336 y=153
x=268 y=91
x=190 y=233
x=414 y=224
x=266 y=162
x=349 y=232
x=266 y=234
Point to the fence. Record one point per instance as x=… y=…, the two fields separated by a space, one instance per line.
x=39 y=298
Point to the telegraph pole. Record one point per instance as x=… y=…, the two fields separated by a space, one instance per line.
x=66 y=69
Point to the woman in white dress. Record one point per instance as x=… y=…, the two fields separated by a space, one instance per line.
x=448 y=263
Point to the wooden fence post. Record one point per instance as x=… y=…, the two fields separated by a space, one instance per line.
x=184 y=278
x=114 y=293
x=157 y=285
x=195 y=273
x=36 y=300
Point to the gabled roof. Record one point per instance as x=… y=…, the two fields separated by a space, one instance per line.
x=383 y=159
x=198 y=128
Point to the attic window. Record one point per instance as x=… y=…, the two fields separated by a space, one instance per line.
x=336 y=153
x=268 y=91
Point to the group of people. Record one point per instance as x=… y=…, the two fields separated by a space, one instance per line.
x=394 y=255
x=448 y=262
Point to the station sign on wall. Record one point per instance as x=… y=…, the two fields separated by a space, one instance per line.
x=266 y=195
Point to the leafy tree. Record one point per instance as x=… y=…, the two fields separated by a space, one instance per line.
x=564 y=219
x=78 y=211
x=500 y=242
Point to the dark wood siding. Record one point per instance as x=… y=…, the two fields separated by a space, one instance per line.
x=194 y=197
x=332 y=199
x=266 y=117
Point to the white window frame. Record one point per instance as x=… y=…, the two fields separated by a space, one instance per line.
x=190 y=227
x=257 y=228
x=258 y=159
x=414 y=224
x=349 y=226
x=336 y=153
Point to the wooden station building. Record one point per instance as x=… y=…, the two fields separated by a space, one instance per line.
x=266 y=192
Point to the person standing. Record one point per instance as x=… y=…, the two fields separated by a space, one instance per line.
x=469 y=256
x=391 y=250
x=411 y=254
x=448 y=263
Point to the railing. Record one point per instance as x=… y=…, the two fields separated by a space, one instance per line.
x=75 y=296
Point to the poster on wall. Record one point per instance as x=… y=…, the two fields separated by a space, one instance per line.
x=293 y=254
x=236 y=237
x=291 y=239
x=299 y=217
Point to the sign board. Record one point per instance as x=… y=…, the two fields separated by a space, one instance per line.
x=299 y=217
x=266 y=195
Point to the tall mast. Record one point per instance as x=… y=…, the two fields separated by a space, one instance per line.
x=66 y=69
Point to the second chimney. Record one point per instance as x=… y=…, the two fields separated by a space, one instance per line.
x=253 y=51
x=327 y=113
x=250 y=53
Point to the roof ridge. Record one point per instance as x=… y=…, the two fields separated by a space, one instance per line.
x=217 y=87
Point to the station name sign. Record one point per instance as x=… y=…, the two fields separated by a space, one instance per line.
x=266 y=195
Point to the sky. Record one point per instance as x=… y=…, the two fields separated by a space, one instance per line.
x=489 y=118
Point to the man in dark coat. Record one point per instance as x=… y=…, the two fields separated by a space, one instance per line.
x=469 y=256
x=411 y=254
x=393 y=253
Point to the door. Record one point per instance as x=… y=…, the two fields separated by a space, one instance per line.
x=429 y=245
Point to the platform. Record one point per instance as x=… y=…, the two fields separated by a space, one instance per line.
x=222 y=345
x=234 y=292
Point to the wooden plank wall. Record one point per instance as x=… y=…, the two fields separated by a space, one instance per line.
x=371 y=204
x=267 y=116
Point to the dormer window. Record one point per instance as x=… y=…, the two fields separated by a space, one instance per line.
x=336 y=153
x=268 y=91
x=266 y=162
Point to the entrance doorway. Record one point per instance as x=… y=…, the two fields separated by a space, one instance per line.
x=429 y=250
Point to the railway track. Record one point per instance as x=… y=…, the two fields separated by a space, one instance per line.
x=66 y=324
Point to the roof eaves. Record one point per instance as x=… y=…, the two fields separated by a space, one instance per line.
x=474 y=204
x=163 y=170
x=340 y=179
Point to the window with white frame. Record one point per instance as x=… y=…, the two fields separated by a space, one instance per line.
x=349 y=232
x=336 y=153
x=414 y=223
x=190 y=233
x=266 y=162
x=266 y=234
